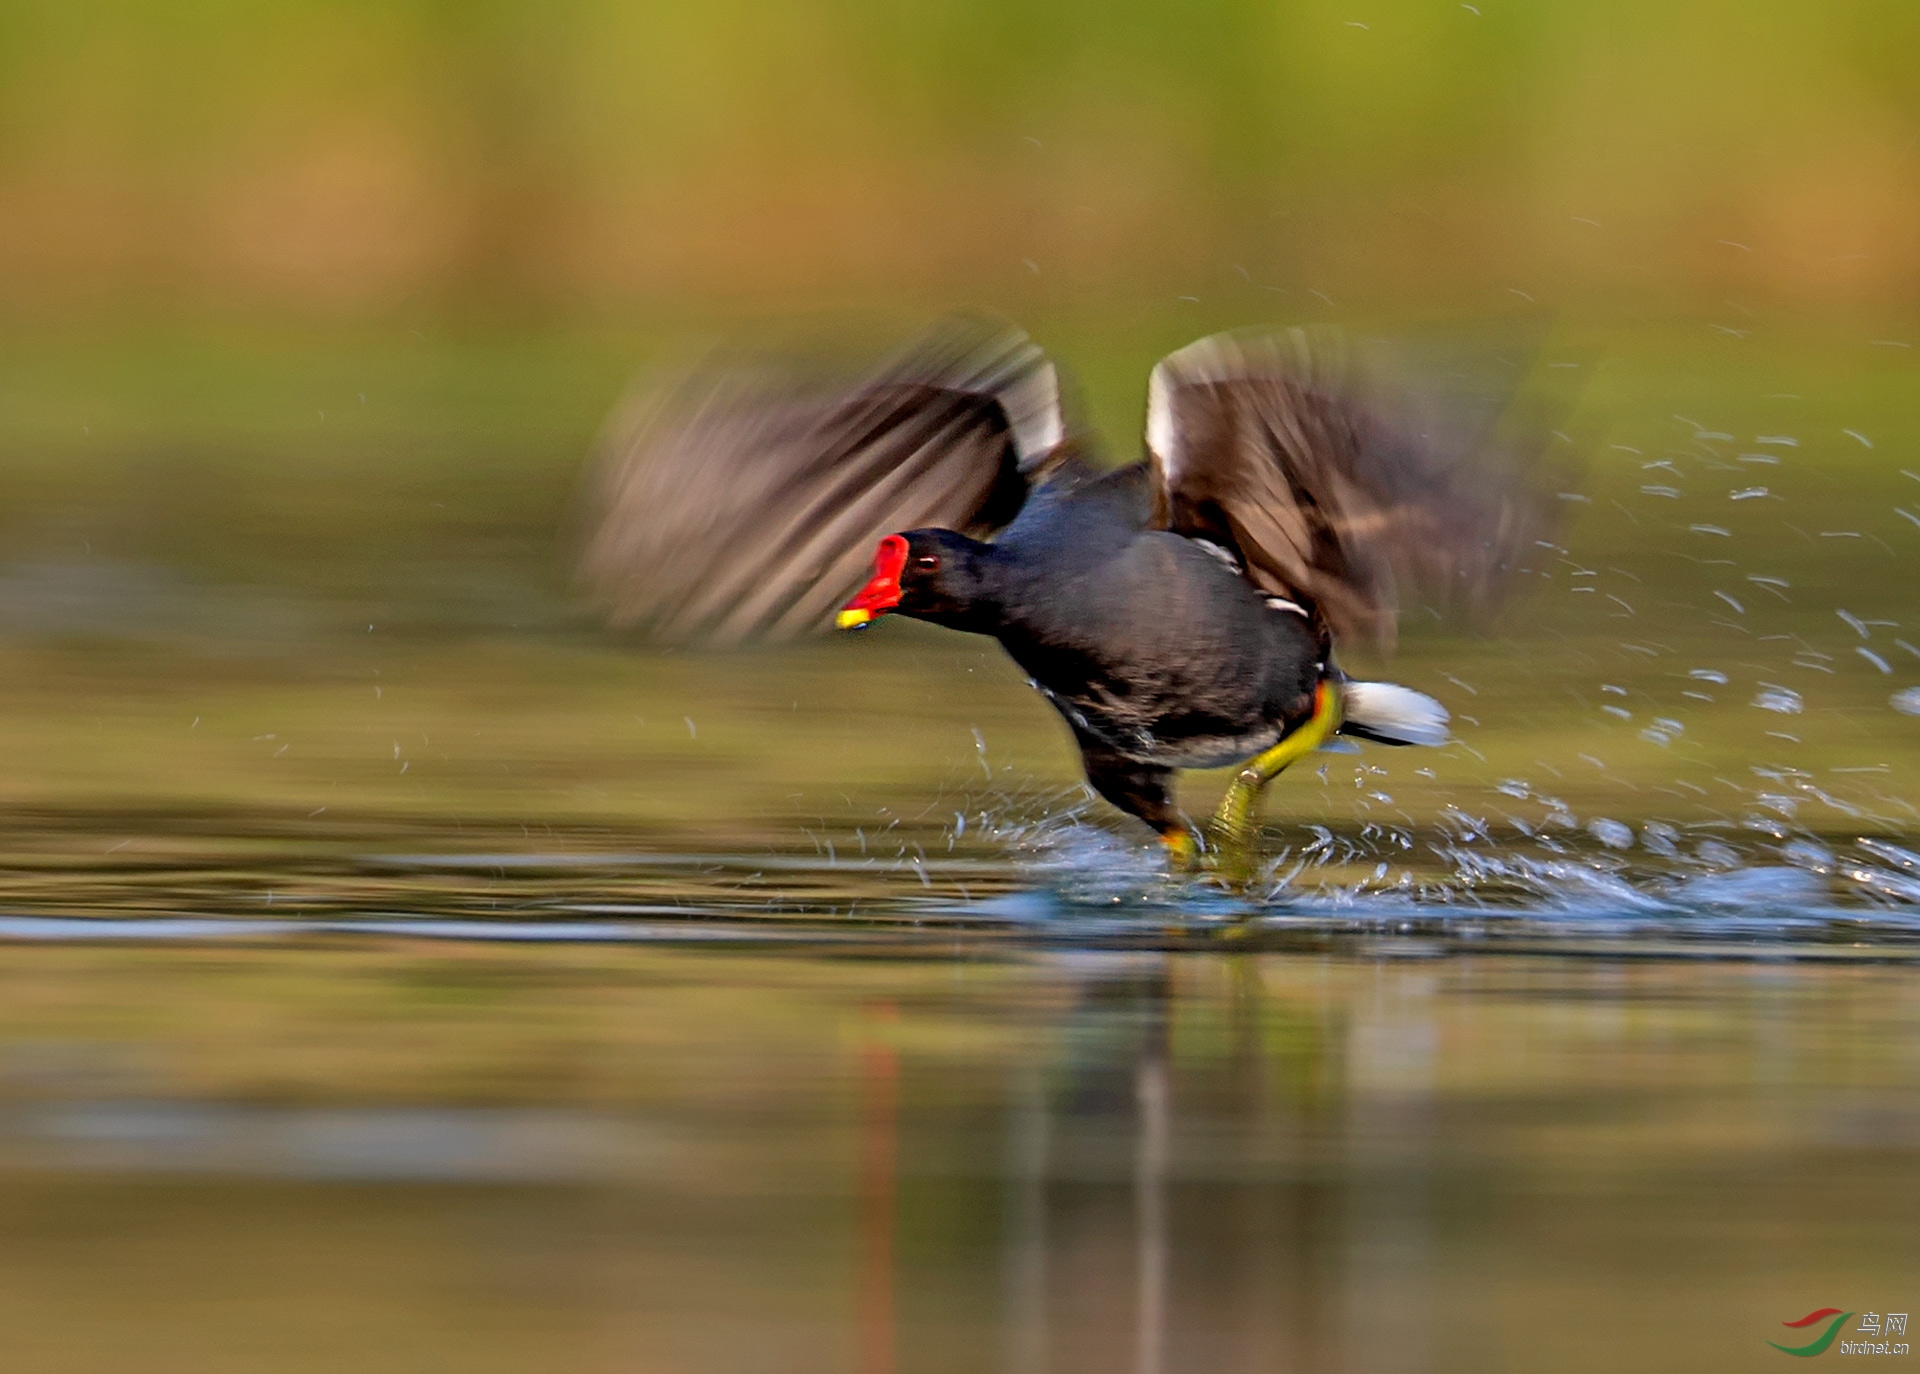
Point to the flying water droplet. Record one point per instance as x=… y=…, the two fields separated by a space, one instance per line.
x=1658 y=838
x=1807 y=854
x=1610 y=833
x=1718 y=854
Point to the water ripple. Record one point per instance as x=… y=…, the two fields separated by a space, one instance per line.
x=1043 y=871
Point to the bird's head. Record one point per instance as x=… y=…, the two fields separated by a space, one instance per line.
x=930 y=574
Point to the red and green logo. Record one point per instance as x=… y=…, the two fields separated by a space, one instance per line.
x=1819 y=1343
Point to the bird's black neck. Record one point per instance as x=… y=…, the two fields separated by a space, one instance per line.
x=967 y=591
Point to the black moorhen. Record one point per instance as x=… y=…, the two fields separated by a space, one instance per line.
x=1179 y=613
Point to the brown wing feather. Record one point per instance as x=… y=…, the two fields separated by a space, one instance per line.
x=742 y=501
x=1339 y=471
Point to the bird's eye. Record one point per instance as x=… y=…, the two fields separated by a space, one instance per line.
x=928 y=561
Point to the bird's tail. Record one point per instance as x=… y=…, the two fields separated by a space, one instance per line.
x=1389 y=714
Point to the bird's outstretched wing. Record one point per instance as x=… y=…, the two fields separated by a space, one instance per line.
x=1340 y=470
x=742 y=500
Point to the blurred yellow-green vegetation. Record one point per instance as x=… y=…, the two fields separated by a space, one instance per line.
x=588 y=156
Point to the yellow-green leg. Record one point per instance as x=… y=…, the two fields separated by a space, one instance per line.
x=1236 y=823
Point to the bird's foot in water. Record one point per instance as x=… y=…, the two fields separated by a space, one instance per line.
x=1233 y=839
x=1195 y=854
x=1236 y=825
x=1231 y=863
x=1186 y=851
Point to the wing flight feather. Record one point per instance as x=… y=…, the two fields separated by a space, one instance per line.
x=741 y=500
x=1341 y=471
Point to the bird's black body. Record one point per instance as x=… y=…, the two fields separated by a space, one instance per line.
x=1156 y=652
x=1179 y=613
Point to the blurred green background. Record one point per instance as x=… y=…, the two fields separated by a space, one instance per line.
x=309 y=313
x=419 y=159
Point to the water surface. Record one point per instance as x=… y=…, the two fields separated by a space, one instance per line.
x=401 y=973
x=389 y=1153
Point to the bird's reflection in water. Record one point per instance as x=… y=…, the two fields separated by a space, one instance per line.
x=528 y=1157
x=1284 y=1260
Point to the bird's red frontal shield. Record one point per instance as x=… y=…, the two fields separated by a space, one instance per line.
x=882 y=592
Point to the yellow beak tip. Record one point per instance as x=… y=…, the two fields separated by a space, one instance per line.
x=851 y=620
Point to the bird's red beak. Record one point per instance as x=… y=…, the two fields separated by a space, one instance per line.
x=882 y=592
